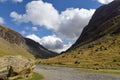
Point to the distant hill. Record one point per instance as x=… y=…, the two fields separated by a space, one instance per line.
x=99 y=44
x=12 y=43
x=38 y=50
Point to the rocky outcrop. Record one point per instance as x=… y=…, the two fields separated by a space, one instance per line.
x=106 y=20
x=11 y=36
x=16 y=66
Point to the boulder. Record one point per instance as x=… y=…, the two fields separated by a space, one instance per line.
x=11 y=66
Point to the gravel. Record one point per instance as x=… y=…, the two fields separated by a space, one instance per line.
x=64 y=73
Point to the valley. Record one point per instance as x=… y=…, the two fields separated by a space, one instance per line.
x=95 y=55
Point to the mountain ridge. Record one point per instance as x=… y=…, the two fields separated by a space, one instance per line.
x=23 y=45
x=99 y=17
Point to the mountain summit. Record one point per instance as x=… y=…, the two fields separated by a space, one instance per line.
x=106 y=19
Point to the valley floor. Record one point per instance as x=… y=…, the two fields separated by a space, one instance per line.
x=65 y=73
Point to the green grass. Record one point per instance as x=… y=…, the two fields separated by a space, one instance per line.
x=36 y=76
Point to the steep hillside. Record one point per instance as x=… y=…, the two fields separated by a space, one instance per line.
x=99 y=44
x=11 y=36
x=12 y=43
x=7 y=48
x=38 y=50
x=104 y=21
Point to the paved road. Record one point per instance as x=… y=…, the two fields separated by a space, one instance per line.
x=64 y=73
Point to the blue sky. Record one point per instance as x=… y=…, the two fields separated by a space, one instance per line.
x=55 y=24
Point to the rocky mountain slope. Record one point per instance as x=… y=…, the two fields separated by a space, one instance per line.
x=99 y=44
x=12 y=43
x=104 y=21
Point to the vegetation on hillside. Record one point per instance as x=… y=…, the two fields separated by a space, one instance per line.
x=100 y=54
x=12 y=49
x=35 y=76
x=98 y=46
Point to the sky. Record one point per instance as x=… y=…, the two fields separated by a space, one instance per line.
x=55 y=24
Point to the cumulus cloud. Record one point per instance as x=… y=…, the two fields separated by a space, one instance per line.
x=19 y=1
x=2 y=20
x=34 y=37
x=17 y=17
x=104 y=1
x=72 y=21
x=39 y=13
x=51 y=42
x=68 y=23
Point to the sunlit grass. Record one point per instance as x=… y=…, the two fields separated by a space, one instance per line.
x=91 y=57
x=36 y=76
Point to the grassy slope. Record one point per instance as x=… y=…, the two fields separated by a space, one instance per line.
x=103 y=53
x=12 y=49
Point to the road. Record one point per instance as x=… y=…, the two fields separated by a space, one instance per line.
x=64 y=73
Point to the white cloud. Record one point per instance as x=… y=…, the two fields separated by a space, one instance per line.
x=39 y=13
x=51 y=42
x=16 y=16
x=104 y=1
x=34 y=37
x=34 y=29
x=19 y=1
x=68 y=23
x=72 y=21
x=2 y=20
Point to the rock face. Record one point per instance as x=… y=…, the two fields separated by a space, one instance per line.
x=19 y=66
x=11 y=36
x=106 y=20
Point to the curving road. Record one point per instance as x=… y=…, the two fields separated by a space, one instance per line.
x=64 y=73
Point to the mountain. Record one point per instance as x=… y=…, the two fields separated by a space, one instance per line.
x=104 y=21
x=38 y=50
x=12 y=43
x=98 y=45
